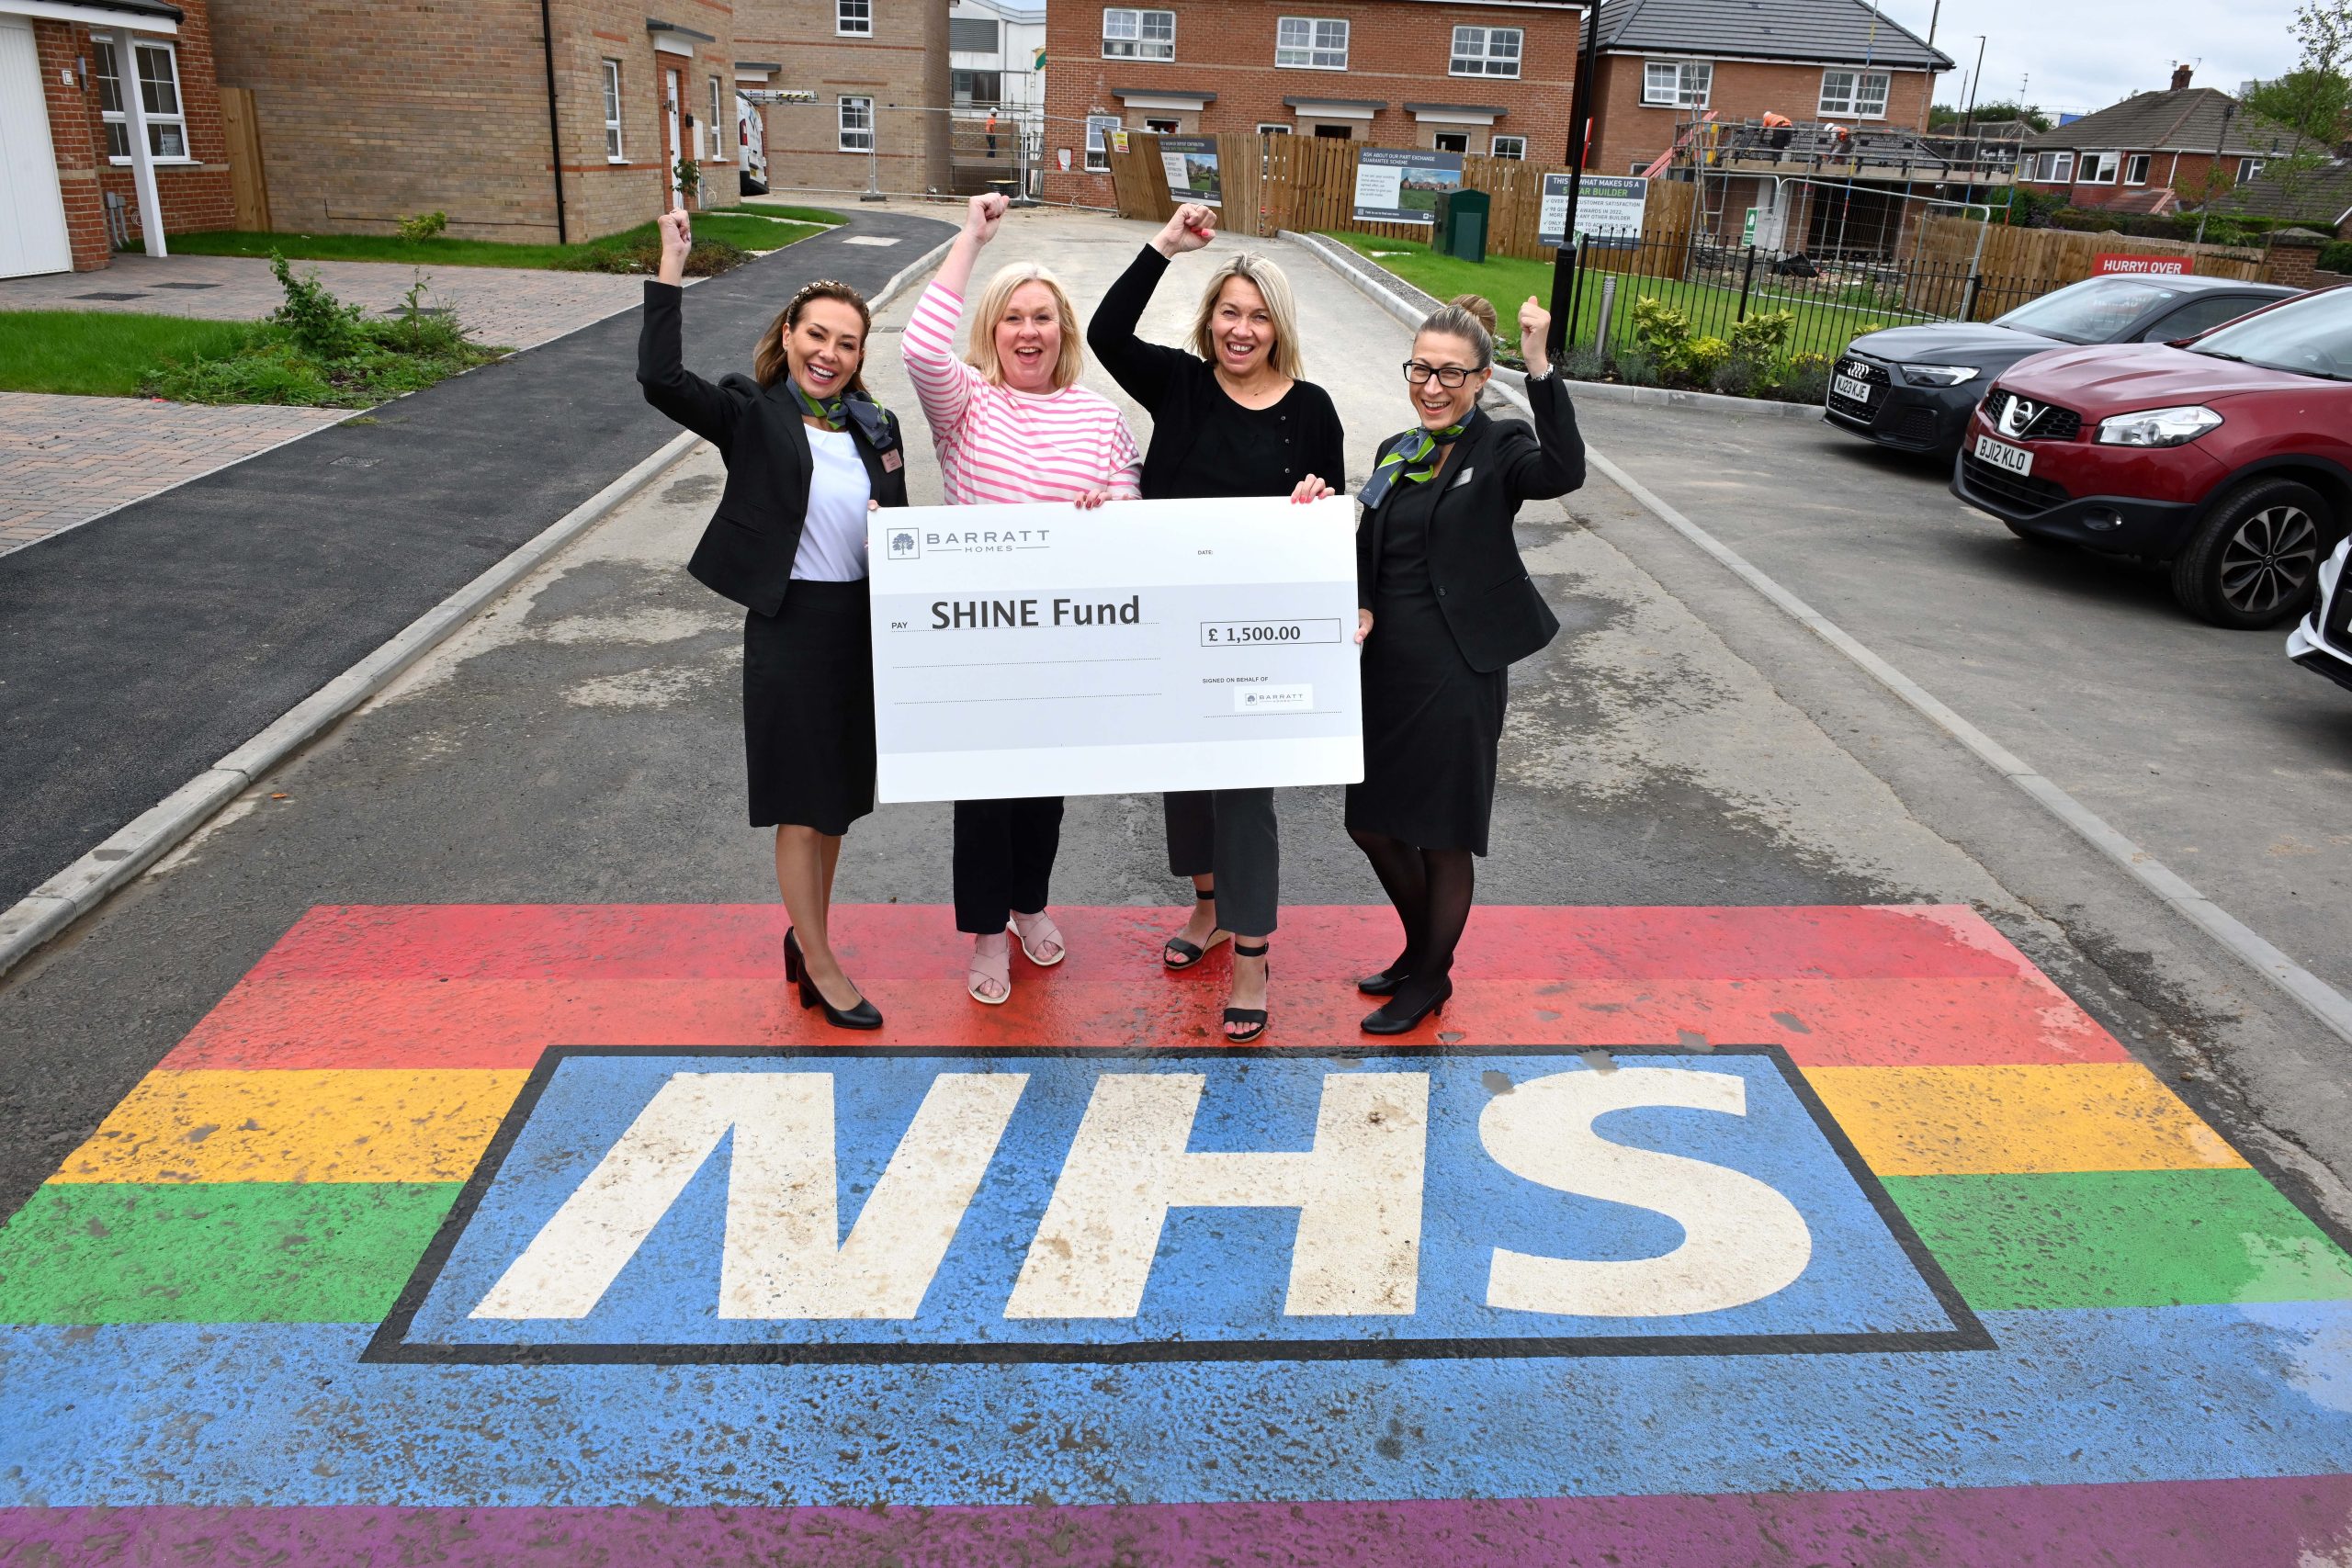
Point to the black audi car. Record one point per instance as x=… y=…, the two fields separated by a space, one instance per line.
x=1914 y=388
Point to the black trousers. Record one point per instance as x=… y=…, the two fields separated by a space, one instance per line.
x=1004 y=859
x=1229 y=834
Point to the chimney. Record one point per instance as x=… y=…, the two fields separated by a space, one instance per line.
x=2180 y=76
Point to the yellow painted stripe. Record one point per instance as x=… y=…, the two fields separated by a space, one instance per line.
x=2018 y=1120
x=293 y=1125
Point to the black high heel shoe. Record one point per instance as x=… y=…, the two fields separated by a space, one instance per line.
x=1411 y=1004
x=1186 y=954
x=1254 y=1018
x=1386 y=982
x=865 y=1015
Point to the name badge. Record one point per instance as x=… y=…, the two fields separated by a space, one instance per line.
x=1462 y=479
x=892 y=462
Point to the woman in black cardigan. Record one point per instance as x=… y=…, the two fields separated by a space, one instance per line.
x=1231 y=418
x=808 y=454
x=1446 y=608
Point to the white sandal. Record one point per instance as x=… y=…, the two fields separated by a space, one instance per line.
x=982 y=967
x=1038 y=928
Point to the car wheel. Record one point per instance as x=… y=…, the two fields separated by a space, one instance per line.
x=2041 y=541
x=2253 y=563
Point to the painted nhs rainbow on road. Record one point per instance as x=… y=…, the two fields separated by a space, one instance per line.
x=1700 y=1236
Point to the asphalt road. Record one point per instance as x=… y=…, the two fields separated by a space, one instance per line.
x=136 y=650
x=2206 y=746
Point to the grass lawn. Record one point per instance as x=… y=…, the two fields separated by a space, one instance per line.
x=104 y=354
x=751 y=231
x=1820 y=327
x=779 y=209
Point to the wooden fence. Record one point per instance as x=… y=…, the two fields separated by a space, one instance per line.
x=1307 y=184
x=2018 y=265
x=248 y=187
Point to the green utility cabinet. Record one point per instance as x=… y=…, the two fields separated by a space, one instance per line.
x=1462 y=224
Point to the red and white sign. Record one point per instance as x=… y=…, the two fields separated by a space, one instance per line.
x=2130 y=264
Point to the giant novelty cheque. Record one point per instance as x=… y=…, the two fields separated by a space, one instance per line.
x=1039 y=649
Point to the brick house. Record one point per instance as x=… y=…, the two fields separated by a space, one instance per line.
x=2196 y=141
x=879 y=73
x=1450 y=74
x=402 y=107
x=73 y=148
x=1855 y=88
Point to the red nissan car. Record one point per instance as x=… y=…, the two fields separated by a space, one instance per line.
x=2228 y=456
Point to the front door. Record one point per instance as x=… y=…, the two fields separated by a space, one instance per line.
x=670 y=89
x=36 y=240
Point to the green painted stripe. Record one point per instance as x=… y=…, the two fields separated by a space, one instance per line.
x=223 y=1252
x=2121 y=1239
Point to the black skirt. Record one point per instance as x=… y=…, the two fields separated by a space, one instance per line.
x=1431 y=727
x=809 y=707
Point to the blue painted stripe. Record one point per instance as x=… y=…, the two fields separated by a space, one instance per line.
x=241 y=1414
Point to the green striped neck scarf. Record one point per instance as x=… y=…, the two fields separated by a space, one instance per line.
x=832 y=410
x=1411 y=459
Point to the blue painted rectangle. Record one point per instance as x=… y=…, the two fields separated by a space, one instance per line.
x=1216 y=1290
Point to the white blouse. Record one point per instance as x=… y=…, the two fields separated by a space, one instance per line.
x=833 y=540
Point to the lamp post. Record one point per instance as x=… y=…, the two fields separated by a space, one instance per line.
x=1564 y=260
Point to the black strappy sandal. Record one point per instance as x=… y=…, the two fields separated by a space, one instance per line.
x=1187 y=954
x=1254 y=1017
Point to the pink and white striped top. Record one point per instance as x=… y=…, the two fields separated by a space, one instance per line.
x=997 y=444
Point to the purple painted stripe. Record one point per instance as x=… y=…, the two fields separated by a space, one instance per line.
x=2249 y=1524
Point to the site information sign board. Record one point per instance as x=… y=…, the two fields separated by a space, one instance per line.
x=1608 y=208
x=1401 y=185
x=1192 y=167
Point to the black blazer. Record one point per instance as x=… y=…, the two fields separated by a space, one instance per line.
x=1489 y=603
x=1175 y=386
x=746 y=549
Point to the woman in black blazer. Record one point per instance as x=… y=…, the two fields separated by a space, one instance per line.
x=1446 y=607
x=808 y=454
x=1233 y=417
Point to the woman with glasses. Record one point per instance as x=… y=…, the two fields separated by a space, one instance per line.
x=1446 y=608
x=1230 y=418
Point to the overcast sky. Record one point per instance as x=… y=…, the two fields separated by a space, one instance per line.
x=2086 y=54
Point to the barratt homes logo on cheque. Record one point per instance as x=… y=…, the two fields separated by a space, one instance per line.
x=905 y=543
x=908 y=1205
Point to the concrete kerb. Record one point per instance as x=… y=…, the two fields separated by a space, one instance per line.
x=74 y=892
x=1412 y=306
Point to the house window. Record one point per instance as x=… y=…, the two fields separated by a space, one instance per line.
x=1335 y=133
x=2248 y=168
x=854 y=18
x=613 y=113
x=1451 y=141
x=1268 y=128
x=857 y=125
x=1486 y=51
x=717 y=123
x=1161 y=127
x=976 y=89
x=159 y=94
x=2053 y=169
x=972 y=34
x=1510 y=147
x=1677 y=84
x=2135 y=169
x=1857 y=94
x=1098 y=141
x=1311 y=43
x=1138 y=35
x=2098 y=168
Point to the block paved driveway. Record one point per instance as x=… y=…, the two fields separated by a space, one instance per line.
x=64 y=460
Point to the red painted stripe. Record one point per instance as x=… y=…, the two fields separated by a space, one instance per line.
x=493 y=986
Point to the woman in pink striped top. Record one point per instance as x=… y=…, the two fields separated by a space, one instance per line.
x=1011 y=424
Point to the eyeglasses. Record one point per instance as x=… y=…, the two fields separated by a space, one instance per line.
x=1421 y=373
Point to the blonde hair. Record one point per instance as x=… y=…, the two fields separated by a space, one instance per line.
x=1457 y=319
x=981 y=352
x=1479 y=306
x=1274 y=288
x=769 y=363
